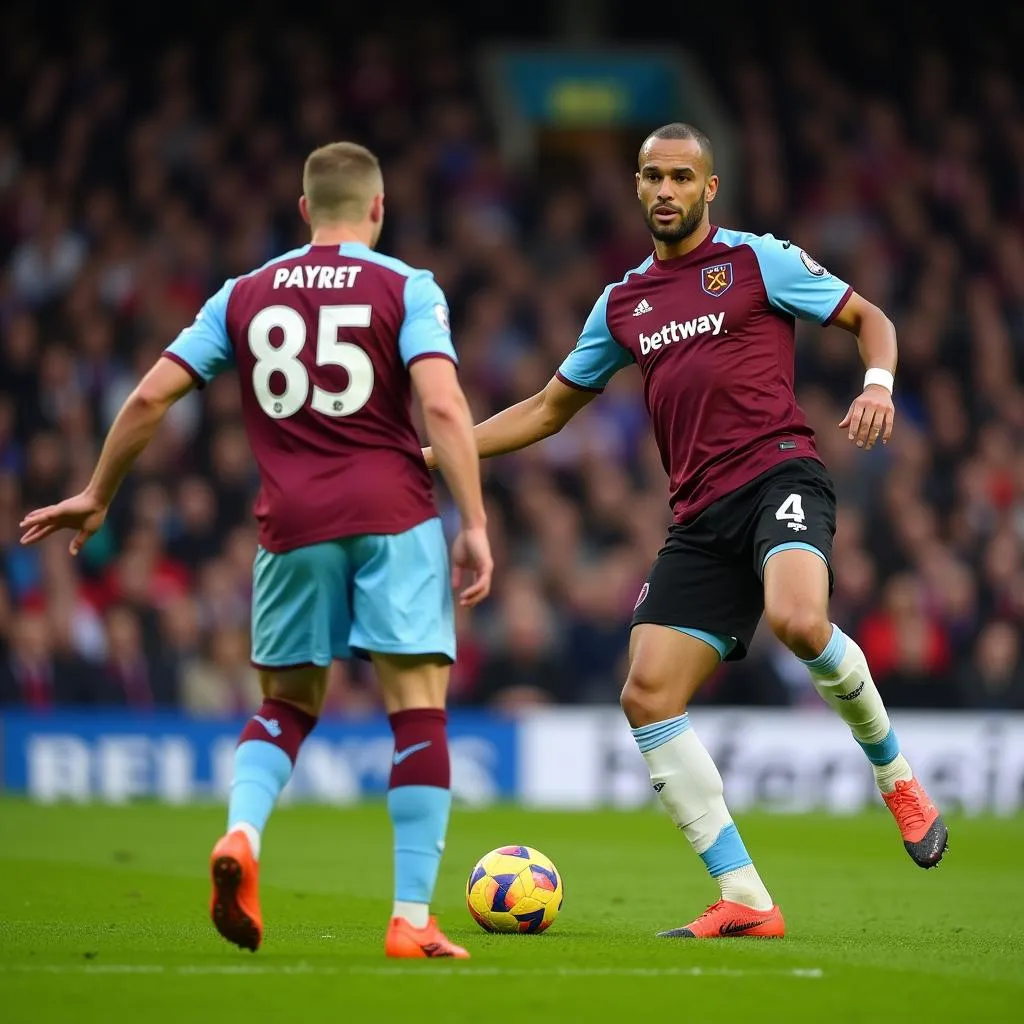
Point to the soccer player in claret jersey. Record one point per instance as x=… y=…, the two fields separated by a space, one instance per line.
x=329 y=341
x=709 y=320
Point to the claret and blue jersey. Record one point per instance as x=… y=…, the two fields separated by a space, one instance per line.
x=322 y=338
x=713 y=335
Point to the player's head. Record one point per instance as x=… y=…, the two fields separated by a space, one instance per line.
x=342 y=185
x=676 y=180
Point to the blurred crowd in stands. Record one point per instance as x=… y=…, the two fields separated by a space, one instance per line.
x=135 y=176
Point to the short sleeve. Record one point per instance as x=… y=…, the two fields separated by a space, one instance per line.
x=597 y=356
x=426 y=330
x=204 y=348
x=798 y=284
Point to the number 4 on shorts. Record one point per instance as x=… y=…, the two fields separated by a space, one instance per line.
x=792 y=511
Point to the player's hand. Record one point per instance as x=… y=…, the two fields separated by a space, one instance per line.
x=870 y=417
x=83 y=513
x=428 y=458
x=471 y=559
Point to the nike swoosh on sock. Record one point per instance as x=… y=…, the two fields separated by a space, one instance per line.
x=401 y=755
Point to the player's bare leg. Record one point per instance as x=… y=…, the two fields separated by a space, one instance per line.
x=414 y=688
x=666 y=668
x=796 y=606
x=264 y=759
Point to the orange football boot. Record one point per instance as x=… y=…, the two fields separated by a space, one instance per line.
x=728 y=920
x=235 y=903
x=925 y=835
x=406 y=942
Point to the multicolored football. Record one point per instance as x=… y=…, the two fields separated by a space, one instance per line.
x=514 y=889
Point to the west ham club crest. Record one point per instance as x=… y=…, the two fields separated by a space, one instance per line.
x=717 y=279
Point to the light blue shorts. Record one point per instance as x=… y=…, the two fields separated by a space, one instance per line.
x=389 y=593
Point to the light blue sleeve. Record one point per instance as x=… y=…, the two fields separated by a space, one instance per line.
x=796 y=283
x=597 y=356
x=426 y=330
x=204 y=346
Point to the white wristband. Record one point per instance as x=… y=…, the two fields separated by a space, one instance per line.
x=876 y=375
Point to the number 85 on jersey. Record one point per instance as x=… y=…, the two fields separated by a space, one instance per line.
x=280 y=381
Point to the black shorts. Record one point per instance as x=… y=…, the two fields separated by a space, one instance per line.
x=708 y=575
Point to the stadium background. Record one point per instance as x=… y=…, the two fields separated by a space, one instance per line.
x=138 y=169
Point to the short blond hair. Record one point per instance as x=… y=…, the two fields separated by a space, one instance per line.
x=339 y=180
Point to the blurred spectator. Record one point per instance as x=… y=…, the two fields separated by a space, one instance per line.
x=601 y=601
x=994 y=679
x=130 y=676
x=222 y=682
x=195 y=538
x=33 y=676
x=44 y=265
x=907 y=649
x=525 y=666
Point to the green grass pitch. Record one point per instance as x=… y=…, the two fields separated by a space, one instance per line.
x=103 y=918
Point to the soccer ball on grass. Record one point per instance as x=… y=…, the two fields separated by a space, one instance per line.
x=514 y=889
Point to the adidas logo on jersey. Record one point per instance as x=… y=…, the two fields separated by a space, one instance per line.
x=674 y=331
x=643 y=306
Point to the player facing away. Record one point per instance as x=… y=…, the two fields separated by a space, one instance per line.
x=709 y=319
x=329 y=342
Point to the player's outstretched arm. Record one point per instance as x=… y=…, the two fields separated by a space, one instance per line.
x=527 y=422
x=131 y=431
x=449 y=427
x=870 y=417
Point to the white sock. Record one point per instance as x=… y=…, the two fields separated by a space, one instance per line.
x=417 y=914
x=252 y=834
x=690 y=789
x=842 y=677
